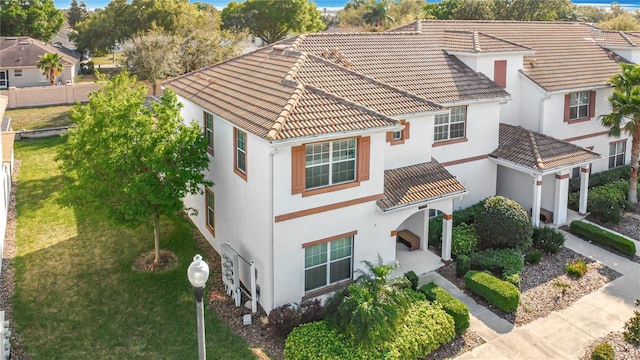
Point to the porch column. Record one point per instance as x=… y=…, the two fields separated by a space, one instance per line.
x=584 y=189
x=561 y=197
x=537 y=198
x=424 y=239
x=447 y=226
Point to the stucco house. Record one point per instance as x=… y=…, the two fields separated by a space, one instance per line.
x=325 y=147
x=19 y=62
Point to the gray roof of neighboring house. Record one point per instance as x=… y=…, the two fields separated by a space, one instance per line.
x=16 y=52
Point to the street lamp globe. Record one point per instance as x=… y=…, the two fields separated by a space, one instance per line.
x=198 y=272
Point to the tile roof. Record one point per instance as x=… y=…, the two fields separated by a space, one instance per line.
x=25 y=52
x=538 y=152
x=416 y=183
x=555 y=44
x=478 y=42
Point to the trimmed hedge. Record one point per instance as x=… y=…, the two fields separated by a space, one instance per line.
x=604 y=237
x=499 y=261
x=452 y=306
x=504 y=223
x=602 y=178
x=425 y=328
x=502 y=294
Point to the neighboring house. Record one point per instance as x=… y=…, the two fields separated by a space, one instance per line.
x=328 y=148
x=19 y=63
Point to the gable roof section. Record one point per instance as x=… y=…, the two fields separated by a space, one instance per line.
x=478 y=42
x=417 y=183
x=25 y=52
x=538 y=152
x=566 y=57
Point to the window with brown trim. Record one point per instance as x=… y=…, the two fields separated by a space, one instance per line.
x=240 y=153
x=500 y=72
x=208 y=131
x=617 y=153
x=398 y=137
x=329 y=165
x=451 y=125
x=210 y=203
x=579 y=106
x=328 y=261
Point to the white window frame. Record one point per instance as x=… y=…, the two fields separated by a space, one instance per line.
x=208 y=132
x=397 y=135
x=327 y=248
x=330 y=162
x=617 y=153
x=455 y=116
x=241 y=148
x=576 y=104
x=17 y=73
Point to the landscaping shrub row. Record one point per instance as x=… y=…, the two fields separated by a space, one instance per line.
x=602 y=178
x=502 y=294
x=507 y=262
x=426 y=327
x=606 y=202
x=599 y=235
x=452 y=306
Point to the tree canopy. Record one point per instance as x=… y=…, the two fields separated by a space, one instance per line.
x=625 y=116
x=136 y=162
x=76 y=13
x=522 y=10
x=38 y=19
x=272 y=20
x=380 y=15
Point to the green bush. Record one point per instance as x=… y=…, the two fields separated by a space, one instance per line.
x=603 y=351
x=502 y=294
x=573 y=202
x=500 y=261
x=463 y=265
x=424 y=328
x=413 y=279
x=466 y=215
x=504 y=223
x=548 y=239
x=452 y=306
x=602 y=178
x=577 y=268
x=464 y=240
x=533 y=257
x=435 y=232
x=606 y=203
x=514 y=279
x=631 y=331
x=604 y=237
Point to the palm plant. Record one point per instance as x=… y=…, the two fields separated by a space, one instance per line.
x=51 y=66
x=625 y=116
x=376 y=13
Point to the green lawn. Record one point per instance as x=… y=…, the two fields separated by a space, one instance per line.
x=76 y=296
x=38 y=118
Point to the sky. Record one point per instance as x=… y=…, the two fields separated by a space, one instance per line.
x=220 y=4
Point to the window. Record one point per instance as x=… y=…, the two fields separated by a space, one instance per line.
x=450 y=126
x=500 y=72
x=579 y=106
x=617 y=151
x=210 y=202
x=328 y=166
x=398 y=137
x=240 y=154
x=208 y=131
x=328 y=262
x=17 y=73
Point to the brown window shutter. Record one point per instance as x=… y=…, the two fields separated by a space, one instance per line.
x=500 y=72
x=405 y=132
x=389 y=136
x=364 y=145
x=297 y=169
x=592 y=104
x=567 y=102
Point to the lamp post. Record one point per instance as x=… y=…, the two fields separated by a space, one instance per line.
x=198 y=273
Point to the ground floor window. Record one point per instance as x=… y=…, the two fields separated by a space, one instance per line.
x=617 y=151
x=328 y=263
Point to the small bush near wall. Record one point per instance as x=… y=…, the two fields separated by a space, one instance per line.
x=504 y=223
x=452 y=306
x=604 y=237
x=285 y=318
x=548 y=239
x=502 y=294
x=464 y=240
x=413 y=279
x=631 y=332
x=533 y=257
x=425 y=328
x=606 y=203
x=603 y=351
x=602 y=178
x=500 y=261
x=466 y=215
x=463 y=265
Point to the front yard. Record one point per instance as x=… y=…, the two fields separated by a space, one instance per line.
x=76 y=295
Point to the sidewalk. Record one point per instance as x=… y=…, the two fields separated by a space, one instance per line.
x=562 y=334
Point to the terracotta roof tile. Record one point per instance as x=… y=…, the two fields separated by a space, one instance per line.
x=478 y=42
x=417 y=183
x=537 y=151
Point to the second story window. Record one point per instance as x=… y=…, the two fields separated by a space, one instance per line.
x=450 y=126
x=240 y=154
x=579 y=106
x=330 y=163
x=208 y=131
x=617 y=151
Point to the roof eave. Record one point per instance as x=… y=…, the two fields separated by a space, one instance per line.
x=489 y=53
x=536 y=172
x=459 y=194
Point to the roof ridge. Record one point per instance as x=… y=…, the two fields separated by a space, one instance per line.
x=624 y=36
x=505 y=40
x=376 y=81
x=287 y=109
x=535 y=149
x=476 y=42
x=345 y=101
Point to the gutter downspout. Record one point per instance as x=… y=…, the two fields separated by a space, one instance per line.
x=271 y=225
x=546 y=97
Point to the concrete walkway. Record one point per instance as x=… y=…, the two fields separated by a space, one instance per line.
x=562 y=334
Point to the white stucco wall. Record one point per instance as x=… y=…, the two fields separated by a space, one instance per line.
x=528 y=115
x=416 y=149
x=554 y=124
x=32 y=76
x=515 y=185
x=478 y=177
x=631 y=54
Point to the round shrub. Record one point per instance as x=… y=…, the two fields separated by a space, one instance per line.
x=548 y=239
x=463 y=265
x=413 y=279
x=606 y=203
x=464 y=240
x=504 y=223
x=533 y=257
x=502 y=294
x=603 y=351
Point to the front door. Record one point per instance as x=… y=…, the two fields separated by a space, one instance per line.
x=4 y=79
